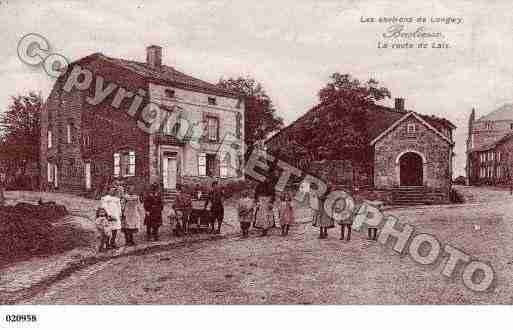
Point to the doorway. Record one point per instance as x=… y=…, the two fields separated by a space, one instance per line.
x=411 y=169
x=169 y=171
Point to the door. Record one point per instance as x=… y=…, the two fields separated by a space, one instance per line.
x=169 y=172
x=88 y=176
x=411 y=169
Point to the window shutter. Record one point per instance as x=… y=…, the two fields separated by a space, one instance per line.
x=49 y=169
x=217 y=166
x=117 y=166
x=49 y=139
x=56 y=176
x=238 y=118
x=68 y=133
x=204 y=123
x=202 y=164
x=226 y=168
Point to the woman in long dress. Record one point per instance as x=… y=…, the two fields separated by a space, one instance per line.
x=321 y=218
x=264 y=215
x=112 y=205
x=286 y=214
x=133 y=215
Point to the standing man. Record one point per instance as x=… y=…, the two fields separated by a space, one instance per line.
x=184 y=205
x=153 y=206
x=215 y=201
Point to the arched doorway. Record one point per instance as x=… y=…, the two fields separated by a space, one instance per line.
x=411 y=169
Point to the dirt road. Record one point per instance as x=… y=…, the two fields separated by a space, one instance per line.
x=301 y=269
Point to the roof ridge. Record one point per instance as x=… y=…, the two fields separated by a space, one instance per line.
x=167 y=74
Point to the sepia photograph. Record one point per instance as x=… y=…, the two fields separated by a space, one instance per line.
x=296 y=154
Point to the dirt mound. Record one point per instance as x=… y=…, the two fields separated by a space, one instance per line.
x=29 y=230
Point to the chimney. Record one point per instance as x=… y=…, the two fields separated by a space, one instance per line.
x=399 y=104
x=154 y=56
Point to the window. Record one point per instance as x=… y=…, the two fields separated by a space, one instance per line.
x=173 y=125
x=206 y=164
x=131 y=163
x=68 y=133
x=86 y=140
x=169 y=93
x=117 y=166
x=212 y=128
x=238 y=119
x=510 y=126
x=212 y=101
x=410 y=128
x=49 y=139
x=498 y=156
x=124 y=164
x=211 y=165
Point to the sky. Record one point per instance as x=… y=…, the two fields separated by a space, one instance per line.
x=291 y=47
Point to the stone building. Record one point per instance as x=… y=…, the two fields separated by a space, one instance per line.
x=491 y=164
x=403 y=153
x=109 y=118
x=488 y=156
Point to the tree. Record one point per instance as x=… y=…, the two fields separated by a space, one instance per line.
x=349 y=89
x=20 y=133
x=261 y=119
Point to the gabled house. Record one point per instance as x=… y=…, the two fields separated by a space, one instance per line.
x=108 y=118
x=378 y=148
x=489 y=147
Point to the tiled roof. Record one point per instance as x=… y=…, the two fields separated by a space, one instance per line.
x=505 y=112
x=492 y=145
x=166 y=75
x=377 y=119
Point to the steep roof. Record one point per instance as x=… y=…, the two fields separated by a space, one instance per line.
x=166 y=75
x=494 y=144
x=377 y=119
x=505 y=112
x=415 y=115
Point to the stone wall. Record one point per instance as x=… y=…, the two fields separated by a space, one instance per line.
x=435 y=151
x=343 y=172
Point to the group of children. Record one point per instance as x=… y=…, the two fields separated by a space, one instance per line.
x=260 y=211
x=344 y=212
x=249 y=212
